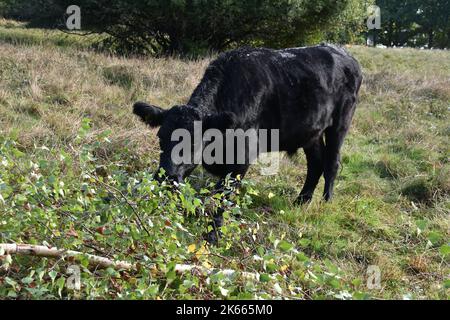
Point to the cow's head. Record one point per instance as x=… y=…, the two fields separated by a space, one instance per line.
x=179 y=117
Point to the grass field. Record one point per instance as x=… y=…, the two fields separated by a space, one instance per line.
x=71 y=156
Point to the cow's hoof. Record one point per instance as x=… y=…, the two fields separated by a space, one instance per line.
x=212 y=237
x=303 y=199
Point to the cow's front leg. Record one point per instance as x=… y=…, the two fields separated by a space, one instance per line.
x=213 y=236
x=315 y=161
x=217 y=218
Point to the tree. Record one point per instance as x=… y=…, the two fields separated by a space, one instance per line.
x=415 y=22
x=433 y=18
x=194 y=26
x=350 y=25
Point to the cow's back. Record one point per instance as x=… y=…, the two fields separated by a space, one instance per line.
x=295 y=90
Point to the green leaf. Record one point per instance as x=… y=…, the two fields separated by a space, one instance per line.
x=11 y=282
x=434 y=237
x=12 y=294
x=335 y=283
x=445 y=250
x=264 y=277
x=271 y=267
x=421 y=224
x=356 y=282
x=60 y=284
x=52 y=274
x=27 y=280
x=302 y=257
x=153 y=290
x=304 y=243
x=285 y=246
x=447 y=284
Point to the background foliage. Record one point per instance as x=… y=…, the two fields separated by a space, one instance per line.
x=415 y=23
x=198 y=26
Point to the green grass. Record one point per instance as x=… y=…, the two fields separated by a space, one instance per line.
x=15 y=33
x=391 y=206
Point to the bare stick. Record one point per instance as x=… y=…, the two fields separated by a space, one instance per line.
x=43 y=251
x=102 y=262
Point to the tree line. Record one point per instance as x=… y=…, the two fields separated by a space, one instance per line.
x=193 y=27
x=415 y=23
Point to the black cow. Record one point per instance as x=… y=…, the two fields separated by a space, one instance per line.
x=309 y=94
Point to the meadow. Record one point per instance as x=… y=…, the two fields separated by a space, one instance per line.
x=76 y=173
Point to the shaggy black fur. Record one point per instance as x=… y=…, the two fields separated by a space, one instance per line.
x=309 y=94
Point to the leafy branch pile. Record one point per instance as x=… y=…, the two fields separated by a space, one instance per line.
x=71 y=199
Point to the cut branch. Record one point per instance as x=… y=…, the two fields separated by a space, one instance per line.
x=43 y=251
x=102 y=262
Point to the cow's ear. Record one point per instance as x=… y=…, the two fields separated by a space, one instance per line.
x=222 y=121
x=151 y=115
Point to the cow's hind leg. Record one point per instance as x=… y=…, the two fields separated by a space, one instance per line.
x=334 y=138
x=315 y=162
